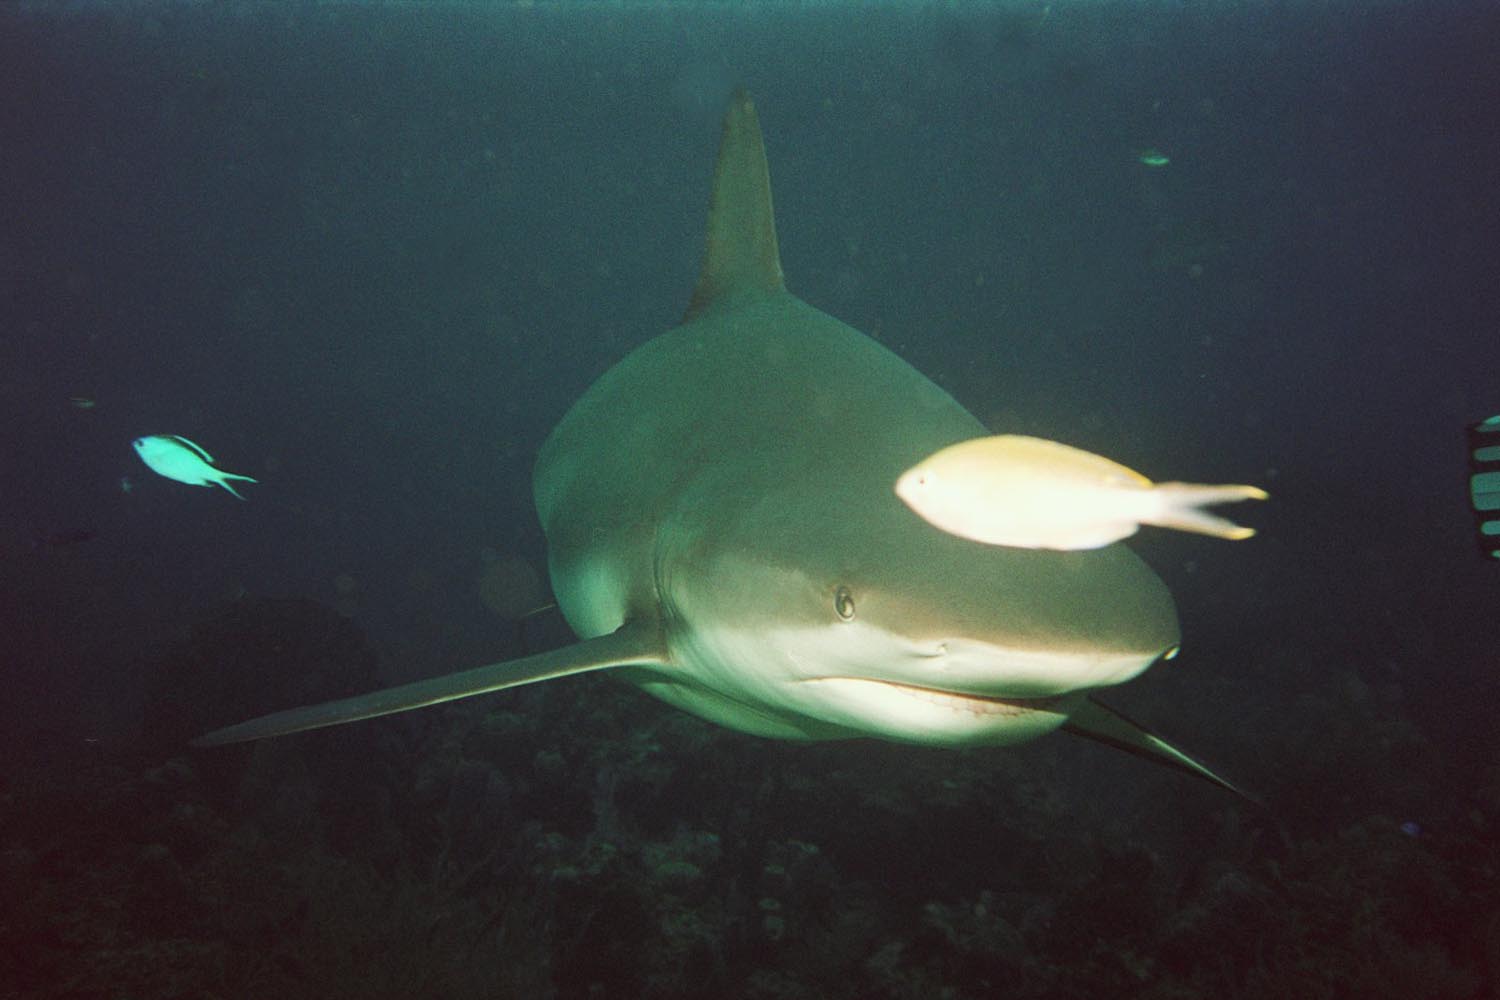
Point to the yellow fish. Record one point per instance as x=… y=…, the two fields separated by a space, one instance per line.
x=1029 y=493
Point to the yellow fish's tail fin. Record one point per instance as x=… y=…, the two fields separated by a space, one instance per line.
x=1180 y=507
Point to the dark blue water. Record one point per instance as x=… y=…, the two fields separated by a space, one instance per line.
x=370 y=256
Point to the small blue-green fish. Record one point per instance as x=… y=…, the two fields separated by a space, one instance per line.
x=176 y=457
x=1153 y=158
x=81 y=402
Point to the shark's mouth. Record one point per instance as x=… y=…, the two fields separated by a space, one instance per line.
x=955 y=701
x=977 y=704
x=982 y=704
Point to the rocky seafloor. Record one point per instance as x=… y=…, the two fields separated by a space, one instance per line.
x=577 y=839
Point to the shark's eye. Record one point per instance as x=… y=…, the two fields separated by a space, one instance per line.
x=843 y=604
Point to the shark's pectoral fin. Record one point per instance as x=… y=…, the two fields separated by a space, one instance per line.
x=633 y=644
x=1105 y=725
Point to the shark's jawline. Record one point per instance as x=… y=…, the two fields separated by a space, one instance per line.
x=978 y=704
x=719 y=505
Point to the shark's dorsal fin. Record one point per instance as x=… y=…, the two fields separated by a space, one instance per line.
x=741 y=254
x=633 y=644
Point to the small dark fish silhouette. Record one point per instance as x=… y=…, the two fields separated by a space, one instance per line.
x=59 y=539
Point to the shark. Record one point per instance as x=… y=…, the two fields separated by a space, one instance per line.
x=723 y=532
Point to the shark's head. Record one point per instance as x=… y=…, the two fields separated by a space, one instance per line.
x=892 y=628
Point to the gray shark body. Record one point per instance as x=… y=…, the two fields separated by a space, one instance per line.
x=723 y=532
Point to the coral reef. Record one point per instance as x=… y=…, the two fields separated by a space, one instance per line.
x=579 y=840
